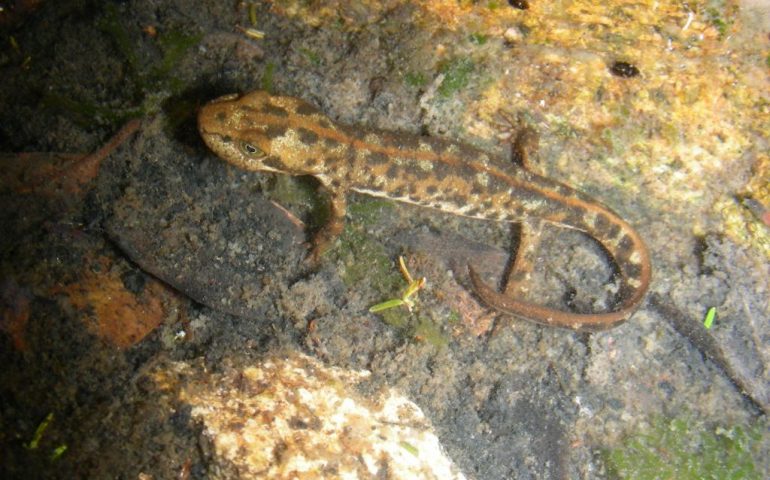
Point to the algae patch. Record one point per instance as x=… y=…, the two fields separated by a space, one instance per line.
x=149 y=85
x=681 y=449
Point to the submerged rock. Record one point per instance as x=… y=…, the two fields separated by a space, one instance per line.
x=294 y=417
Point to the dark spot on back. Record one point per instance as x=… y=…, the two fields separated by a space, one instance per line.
x=330 y=143
x=306 y=136
x=376 y=158
x=441 y=170
x=632 y=270
x=575 y=219
x=416 y=171
x=227 y=139
x=456 y=199
x=625 y=247
x=221 y=116
x=602 y=223
x=466 y=171
x=398 y=192
x=270 y=109
x=274 y=162
x=613 y=230
x=431 y=189
x=306 y=109
x=403 y=140
x=248 y=109
x=274 y=131
x=350 y=154
x=324 y=123
x=392 y=171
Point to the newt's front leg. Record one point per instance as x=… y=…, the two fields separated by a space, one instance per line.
x=326 y=236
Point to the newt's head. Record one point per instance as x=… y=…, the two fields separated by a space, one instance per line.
x=262 y=132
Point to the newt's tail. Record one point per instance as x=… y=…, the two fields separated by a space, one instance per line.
x=623 y=245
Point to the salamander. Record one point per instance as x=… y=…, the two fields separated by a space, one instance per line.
x=259 y=131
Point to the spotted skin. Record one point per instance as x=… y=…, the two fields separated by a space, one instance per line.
x=263 y=132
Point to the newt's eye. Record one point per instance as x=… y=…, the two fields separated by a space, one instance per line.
x=252 y=150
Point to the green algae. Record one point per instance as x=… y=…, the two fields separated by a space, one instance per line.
x=679 y=448
x=457 y=73
x=368 y=212
x=415 y=79
x=367 y=266
x=149 y=86
x=428 y=331
x=478 y=38
x=720 y=19
x=364 y=259
x=311 y=56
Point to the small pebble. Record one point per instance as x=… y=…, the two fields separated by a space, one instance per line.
x=520 y=4
x=624 y=69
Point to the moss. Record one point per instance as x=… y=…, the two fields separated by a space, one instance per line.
x=563 y=129
x=397 y=318
x=717 y=19
x=148 y=87
x=368 y=211
x=366 y=265
x=415 y=79
x=312 y=56
x=110 y=24
x=457 y=74
x=365 y=261
x=680 y=449
x=613 y=142
x=158 y=75
x=478 y=38
x=86 y=113
x=174 y=45
x=428 y=331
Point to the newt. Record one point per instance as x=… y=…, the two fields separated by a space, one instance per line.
x=262 y=132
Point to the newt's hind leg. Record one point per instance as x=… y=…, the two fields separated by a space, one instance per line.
x=519 y=272
x=523 y=139
x=518 y=275
x=629 y=254
x=523 y=143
